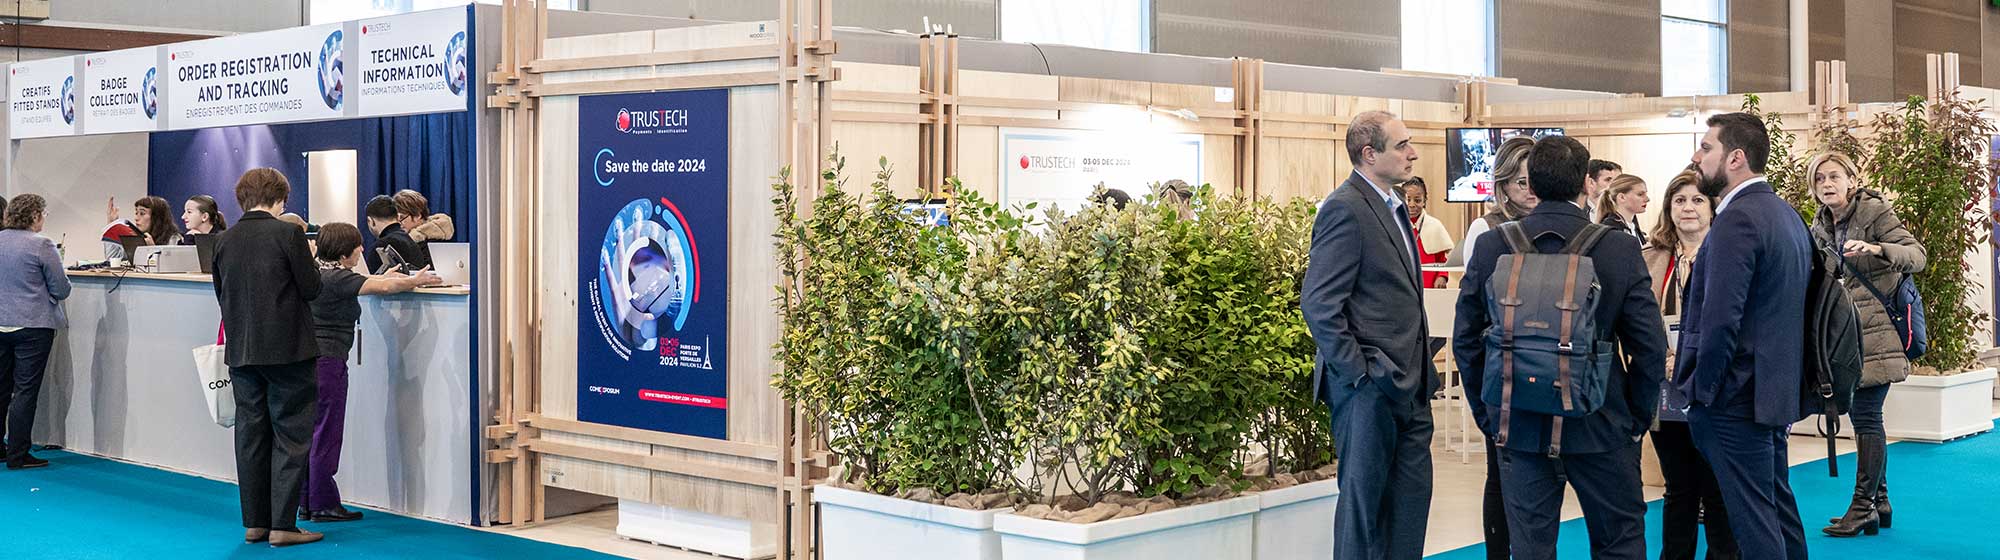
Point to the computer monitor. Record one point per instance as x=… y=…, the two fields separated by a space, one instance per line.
x=452 y=262
x=1469 y=154
x=204 y=250
x=131 y=244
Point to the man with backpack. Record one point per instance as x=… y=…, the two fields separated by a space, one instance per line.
x=1743 y=337
x=1545 y=309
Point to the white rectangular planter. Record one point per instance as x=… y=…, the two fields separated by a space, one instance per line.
x=864 y=526
x=1939 y=408
x=1296 y=522
x=1213 y=531
x=693 y=530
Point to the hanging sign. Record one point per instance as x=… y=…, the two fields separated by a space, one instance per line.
x=653 y=261
x=41 y=98
x=1060 y=168
x=414 y=63
x=121 y=91
x=297 y=74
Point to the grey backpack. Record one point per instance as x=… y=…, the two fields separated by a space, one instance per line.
x=1544 y=353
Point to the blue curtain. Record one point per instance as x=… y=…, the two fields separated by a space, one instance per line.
x=431 y=154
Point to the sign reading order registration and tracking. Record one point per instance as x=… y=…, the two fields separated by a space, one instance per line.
x=398 y=65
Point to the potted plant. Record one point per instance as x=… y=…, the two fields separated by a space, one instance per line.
x=879 y=313
x=1932 y=157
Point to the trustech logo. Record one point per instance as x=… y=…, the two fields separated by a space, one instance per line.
x=653 y=121
x=1047 y=162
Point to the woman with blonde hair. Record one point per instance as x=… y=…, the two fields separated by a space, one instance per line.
x=1691 y=485
x=1622 y=202
x=1512 y=199
x=1878 y=255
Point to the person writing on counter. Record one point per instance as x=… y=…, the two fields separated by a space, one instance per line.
x=32 y=285
x=264 y=278
x=335 y=313
x=202 y=217
x=393 y=245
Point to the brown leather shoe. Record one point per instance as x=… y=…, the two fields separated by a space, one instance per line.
x=256 y=535
x=289 y=538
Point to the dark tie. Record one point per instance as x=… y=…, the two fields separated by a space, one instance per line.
x=1409 y=244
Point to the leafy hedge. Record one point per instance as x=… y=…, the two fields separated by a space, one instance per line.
x=1083 y=354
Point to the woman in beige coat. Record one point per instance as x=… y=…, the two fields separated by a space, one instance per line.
x=1691 y=485
x=1878 y=250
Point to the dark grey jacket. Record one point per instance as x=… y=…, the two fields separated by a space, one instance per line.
x=1870 y=219
x=32 y=281
x=1362 y=300
x=264 y=279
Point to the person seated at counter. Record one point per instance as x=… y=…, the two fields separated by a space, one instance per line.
x=392 y=243
x=335 y=313
x=32 y=287
x=414 y=212
x=151 y=223
x=202 y=217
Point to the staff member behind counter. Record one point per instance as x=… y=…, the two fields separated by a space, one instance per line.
x=403 y=228
x=151 y=221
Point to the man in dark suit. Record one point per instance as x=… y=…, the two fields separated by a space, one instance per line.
x=263 y=280
x=1597 y=454
x=1742 y=336
x=1364 y=306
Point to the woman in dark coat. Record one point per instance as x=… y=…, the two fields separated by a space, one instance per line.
x=1878 y=251
x=265 y=279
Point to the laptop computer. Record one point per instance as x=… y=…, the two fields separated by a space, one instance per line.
x=452 y=262
x=131 y=244
x=204 y=250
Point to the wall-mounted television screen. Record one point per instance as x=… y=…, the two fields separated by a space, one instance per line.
x=1469 y=159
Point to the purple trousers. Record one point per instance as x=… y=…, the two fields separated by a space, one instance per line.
x=319 y=492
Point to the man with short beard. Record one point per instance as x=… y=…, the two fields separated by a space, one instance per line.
x=1742 y=337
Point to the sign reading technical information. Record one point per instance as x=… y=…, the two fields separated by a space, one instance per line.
x=414 y=63
x=288 y=75
x=121 y=91
x=41 y=98
x=653 y=261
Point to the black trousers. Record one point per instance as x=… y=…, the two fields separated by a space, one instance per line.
x=1607 y=486
x=1691 y=488
x=275 y=410
x=1494 y=515
x=24 y=358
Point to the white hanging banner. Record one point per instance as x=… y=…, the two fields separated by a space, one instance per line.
x=1056 y=167
x=121 y=91
x=41 y=98
x=296 y=74
x=414 y=63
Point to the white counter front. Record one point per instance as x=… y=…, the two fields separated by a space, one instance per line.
x=122 y=384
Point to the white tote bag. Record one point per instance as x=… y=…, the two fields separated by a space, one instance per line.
x=211 y=367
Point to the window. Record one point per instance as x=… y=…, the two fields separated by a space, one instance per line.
x=331 y=11
x=1448 y=36
x=1694 y=47
x=1119 y=25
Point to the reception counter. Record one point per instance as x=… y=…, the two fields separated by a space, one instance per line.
x=122 y=384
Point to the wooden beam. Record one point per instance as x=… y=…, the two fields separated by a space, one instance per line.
x=36 y=36
x=653 y=59
x=656 y=83
x=765 y=479
x=705 y=445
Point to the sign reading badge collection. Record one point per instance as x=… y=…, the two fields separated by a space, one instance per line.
x=398 y=65
x=653 y=261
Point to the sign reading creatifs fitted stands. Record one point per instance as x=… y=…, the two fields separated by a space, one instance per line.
x=296 y=74
x=121 y=91
x=653 y=261
x=413 y=63
x=41 y=98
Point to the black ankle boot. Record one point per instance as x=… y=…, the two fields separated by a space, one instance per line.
x=1860 y=519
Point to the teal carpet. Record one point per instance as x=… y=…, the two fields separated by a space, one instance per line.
x=1945 y=498
x=87 y=507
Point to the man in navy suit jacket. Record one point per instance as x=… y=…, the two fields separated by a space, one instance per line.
x=1599 y=453
x=1364 y=305
x=1743 y=335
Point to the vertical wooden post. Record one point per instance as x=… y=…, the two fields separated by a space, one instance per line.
x=950 y=124
x=1247 y=87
